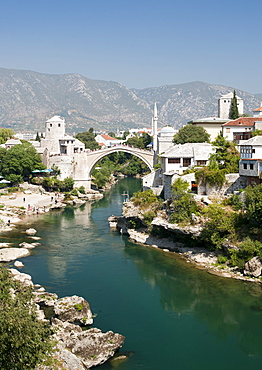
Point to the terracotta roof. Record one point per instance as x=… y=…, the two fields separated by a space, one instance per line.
x=243 y=121
x=107 y=137
x=258 y=109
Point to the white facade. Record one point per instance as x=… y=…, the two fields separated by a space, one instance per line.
x=180 y=157
x=224 y=105
x=107 y=141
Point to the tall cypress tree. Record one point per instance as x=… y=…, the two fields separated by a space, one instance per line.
x=233 y=113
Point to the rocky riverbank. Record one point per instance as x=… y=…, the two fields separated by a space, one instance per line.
x=78 y=346
x=76 y=349
x=200 y=257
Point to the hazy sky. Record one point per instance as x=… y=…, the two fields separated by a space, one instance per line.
x=139 y=43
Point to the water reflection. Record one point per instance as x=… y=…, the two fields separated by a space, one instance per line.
x=229 y=307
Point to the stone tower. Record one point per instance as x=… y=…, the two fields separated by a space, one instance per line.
x=54 y=130
x=224 y=104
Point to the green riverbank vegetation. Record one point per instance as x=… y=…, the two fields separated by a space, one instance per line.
x=24 y=340
x=230 y=227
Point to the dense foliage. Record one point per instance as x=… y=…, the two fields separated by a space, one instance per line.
x=226 y=154
x=183 y=203
x=140 y=141
x=5 y=134
x=88 y=138
x=17 y=163
x=24 y=341
x=191 y=134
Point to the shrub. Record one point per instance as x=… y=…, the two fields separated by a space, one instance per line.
x=25 y=341
x=74 y=192
x=82 y=190
x=13 y=189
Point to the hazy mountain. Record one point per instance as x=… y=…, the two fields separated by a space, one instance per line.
x=28 y=98
x=178 y=104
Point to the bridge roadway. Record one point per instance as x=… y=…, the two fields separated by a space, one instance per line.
x=92 y=157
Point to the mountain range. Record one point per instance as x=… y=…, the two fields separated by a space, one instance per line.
x=28 y=99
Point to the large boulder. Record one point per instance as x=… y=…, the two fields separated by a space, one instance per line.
x=73 y=309
x=11 y=254
x=92 y=346
x=253 y=267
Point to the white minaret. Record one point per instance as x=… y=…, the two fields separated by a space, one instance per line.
x=154 y=128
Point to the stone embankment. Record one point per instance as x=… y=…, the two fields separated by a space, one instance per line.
x=76 y=349
x=200 y=257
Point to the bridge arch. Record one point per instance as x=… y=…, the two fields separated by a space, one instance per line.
x=144 y=155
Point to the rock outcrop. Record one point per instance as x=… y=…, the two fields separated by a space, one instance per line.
x=76 y=349
x=75 y=310
x=253 y=267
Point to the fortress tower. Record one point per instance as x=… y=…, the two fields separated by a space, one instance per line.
x=224 y=105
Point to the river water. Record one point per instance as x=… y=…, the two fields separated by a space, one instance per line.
x=173 y=315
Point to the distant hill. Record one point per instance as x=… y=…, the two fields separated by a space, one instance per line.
x=28 y=98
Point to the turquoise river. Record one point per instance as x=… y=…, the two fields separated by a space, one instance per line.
x=173 y=315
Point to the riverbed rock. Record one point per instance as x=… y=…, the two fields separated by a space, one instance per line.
x=92 y=346
x=31 y=231
x=24 y=279
x=11 y=254
x=18 y=264
x=73 y=309
x=253 y=267
x=27 y=245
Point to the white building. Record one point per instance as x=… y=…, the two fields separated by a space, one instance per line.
x=178 y=158
x=250 y=164
x=241 y=128
x=106 y=141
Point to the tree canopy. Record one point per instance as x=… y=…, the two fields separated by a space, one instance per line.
x=88 y=138
x=191 y=134
x=140 y=141
x=5 y=134
x=17 y=163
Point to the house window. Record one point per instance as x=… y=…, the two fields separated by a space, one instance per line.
x=227 y=130
x=50 y=124
x=186 y=162
x=251 y=166
x=173 y=160
x=245 y=166
x=59 y=124
x=253 y=150
x=201 y=163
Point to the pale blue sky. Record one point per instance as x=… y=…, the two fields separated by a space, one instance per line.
x=139 y=43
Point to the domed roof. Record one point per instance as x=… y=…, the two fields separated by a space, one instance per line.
x=167 y=130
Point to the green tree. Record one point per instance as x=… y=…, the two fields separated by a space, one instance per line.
x=37 y=137
x=183 y=203
x=88 y=138
x=19 y=161
x=253 y=203
x=5 y=134
x=226 y=154
x=24 y=340
x=233 y=113
x=191 y=134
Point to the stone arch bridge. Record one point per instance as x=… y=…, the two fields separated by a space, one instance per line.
x=85 y=162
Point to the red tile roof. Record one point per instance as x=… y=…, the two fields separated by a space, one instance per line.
x=243 y=121
x=258 y=109
x=107 y=137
